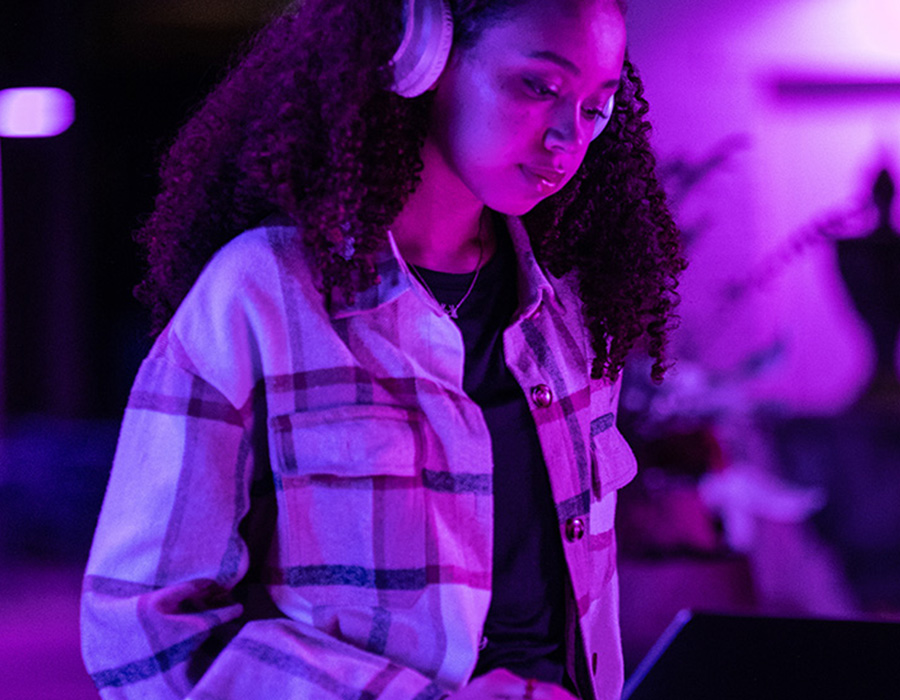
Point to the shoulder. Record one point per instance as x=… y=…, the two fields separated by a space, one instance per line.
x=254 y=254
x=236 y=314
x=250 y=270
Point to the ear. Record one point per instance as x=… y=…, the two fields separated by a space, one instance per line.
x=425 y=47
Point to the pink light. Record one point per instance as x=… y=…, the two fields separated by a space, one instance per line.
x=34 y=112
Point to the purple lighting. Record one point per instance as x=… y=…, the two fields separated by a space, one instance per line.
x=34 y=112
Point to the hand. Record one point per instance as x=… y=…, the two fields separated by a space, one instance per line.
x=504 y=685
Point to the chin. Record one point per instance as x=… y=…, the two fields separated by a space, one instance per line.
x=519 y=208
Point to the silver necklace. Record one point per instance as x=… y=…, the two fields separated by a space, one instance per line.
x=452 y=310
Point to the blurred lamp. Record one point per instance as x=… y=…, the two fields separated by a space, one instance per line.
x=34 y=112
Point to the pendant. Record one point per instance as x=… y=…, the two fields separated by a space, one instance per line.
x=450 y=310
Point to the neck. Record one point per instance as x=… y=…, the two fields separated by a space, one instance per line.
x=443 y=226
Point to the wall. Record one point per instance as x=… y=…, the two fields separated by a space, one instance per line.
x=765 y=83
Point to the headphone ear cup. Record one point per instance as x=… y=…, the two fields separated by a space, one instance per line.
x=603 y=120
x=425 y=47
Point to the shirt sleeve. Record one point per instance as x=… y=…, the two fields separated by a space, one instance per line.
x=175 y=603
x=172 y=605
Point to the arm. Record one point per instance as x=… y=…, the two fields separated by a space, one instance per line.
x=173 y=606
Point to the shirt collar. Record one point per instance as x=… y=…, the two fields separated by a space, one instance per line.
x=395 y=279
x=534 y=286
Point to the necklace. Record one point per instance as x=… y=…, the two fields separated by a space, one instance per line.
x=452 y=310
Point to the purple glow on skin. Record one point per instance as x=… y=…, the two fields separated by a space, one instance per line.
x=35 y=112
x=518 y=110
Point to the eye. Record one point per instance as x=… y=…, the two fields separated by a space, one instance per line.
x=598 y=113
x=540 y=88
x=605 y=113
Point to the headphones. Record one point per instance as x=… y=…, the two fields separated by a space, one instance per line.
x=425 y=48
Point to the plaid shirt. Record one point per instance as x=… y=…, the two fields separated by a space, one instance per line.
x=301 y=500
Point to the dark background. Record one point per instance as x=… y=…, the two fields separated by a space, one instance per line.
x=75 y=335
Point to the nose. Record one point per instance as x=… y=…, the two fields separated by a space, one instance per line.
x=566 y=131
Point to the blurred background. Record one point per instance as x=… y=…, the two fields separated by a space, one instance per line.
x=770 y=458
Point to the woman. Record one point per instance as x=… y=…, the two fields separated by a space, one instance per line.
x=373 y=452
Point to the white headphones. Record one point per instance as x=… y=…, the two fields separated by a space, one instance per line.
x=425 y=48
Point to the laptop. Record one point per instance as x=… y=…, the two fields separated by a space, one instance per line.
x=704 y=656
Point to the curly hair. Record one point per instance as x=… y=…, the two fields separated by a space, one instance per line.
x=305 y=125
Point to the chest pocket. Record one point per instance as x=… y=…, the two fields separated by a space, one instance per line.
x=613 y=463
x=352 y=516
x=347 y=441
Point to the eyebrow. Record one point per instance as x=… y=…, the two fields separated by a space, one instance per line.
x=565 y=64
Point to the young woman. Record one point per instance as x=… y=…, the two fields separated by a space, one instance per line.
x=397 y=263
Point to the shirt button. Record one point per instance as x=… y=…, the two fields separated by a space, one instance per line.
x=574 y=529
x=542 y=395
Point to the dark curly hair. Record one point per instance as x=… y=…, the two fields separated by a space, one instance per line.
x=305 y=125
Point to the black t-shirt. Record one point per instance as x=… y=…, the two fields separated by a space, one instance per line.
x=525 y=626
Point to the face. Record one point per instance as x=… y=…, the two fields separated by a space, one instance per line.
x=514 y=114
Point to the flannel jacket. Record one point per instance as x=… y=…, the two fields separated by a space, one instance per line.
x=300 y=504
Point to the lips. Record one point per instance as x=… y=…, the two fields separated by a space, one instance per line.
x=548 y=177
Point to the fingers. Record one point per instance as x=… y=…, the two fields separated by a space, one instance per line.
x=545 y=691
x=501 y=684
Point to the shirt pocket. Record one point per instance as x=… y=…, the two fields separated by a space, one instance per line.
x=352 y=519
x=613 y=463
x=348 y=441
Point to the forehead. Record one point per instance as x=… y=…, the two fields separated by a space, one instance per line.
x=590 y=34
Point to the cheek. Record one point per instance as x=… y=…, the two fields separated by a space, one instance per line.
x=497 y=138
x=496 y=123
